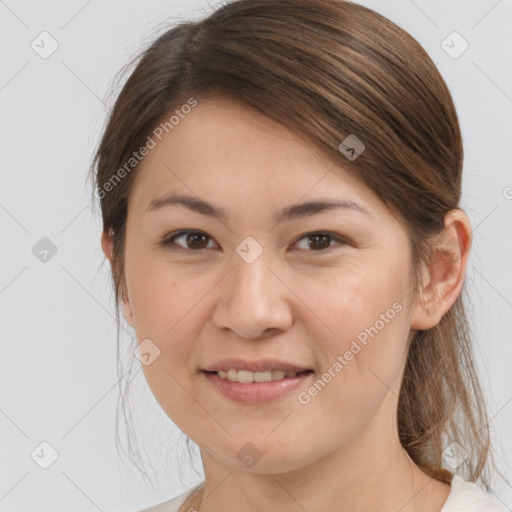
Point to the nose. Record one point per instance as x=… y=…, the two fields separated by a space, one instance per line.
x=254 y=301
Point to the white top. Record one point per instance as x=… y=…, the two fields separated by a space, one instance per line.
x=464 y=497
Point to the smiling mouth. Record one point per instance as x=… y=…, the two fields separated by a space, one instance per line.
x=248 y=377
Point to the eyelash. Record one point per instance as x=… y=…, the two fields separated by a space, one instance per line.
x=168 y=242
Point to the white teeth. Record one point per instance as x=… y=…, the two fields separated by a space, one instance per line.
x=247 y=377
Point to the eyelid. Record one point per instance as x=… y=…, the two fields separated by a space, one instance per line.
x=338 y=239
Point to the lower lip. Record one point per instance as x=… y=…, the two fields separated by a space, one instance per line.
x=256 y=392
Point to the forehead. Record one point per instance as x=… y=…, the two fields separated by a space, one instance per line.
x=226 y=149
x=220 y=132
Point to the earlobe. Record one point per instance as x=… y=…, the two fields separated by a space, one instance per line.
x=127 y=311
x=446 y=271
x=107 y=244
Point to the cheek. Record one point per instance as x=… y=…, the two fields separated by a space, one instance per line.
x=366 y=350
x=165 y=308
x=160 y=293
x=168 y=311
x=355 y=298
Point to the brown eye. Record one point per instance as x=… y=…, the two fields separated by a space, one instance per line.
x=191 y=240
x=317 y=242
x=196 y=240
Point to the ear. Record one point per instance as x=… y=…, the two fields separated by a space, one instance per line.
x=107 y=244
x=443 y=278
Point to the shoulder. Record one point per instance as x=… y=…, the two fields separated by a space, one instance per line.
x=468 y=497
x=174 y=504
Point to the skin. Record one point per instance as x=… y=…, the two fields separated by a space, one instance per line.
x=297 y=301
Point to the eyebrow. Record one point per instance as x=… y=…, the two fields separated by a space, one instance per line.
x=295 y=211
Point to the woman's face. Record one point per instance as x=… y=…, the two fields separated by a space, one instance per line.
x=257 y=286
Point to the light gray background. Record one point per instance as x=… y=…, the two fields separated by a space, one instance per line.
x=58 y=349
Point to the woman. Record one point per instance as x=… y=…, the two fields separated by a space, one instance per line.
x=280 y=187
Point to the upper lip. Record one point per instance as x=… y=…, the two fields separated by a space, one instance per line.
x=260 y=365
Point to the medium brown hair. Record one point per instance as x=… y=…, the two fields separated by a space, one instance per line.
x=327 y=69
